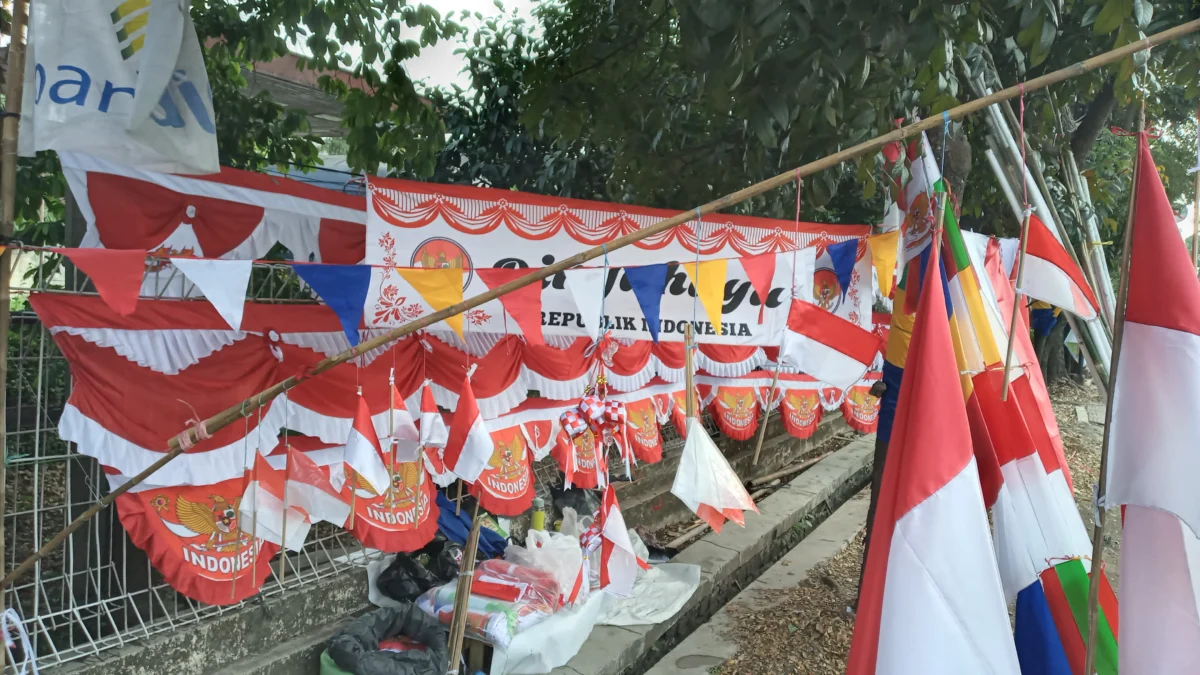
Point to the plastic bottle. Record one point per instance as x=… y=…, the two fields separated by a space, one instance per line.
x=539 y=514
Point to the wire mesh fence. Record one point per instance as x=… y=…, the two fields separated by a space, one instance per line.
x=99 y=591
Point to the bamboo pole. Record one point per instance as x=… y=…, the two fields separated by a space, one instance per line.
x=1196 y=220
x=8 y=195
x=462 y=597
x=392 y=440
x=1012 y=326
x=1102 y=482
x=762 y=429
x=287 y=475
x=689 y=375
x=227 y=416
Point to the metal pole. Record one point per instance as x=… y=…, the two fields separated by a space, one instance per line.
x=229 y=415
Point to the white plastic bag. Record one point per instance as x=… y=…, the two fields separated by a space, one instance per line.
x=556 y=553
x=704 y=478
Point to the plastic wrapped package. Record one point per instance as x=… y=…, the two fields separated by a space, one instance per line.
x=527 y=596
x=558 y=554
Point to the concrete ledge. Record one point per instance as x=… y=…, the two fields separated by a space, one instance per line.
x=731 y=560
x=713 y=644
x=245 y=633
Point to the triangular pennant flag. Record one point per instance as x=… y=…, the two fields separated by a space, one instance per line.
x=363 y=452
x=648 y=284
x=708 y=278
x=524 y=305
x=884 y=252
x=760 y=269
x=587 y=288
x=223 y=282
x=344 y=290
x=116 y=274
x=440 y=288
x=843 y=256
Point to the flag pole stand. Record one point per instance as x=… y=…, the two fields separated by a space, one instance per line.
x=1012 y=324
x=226 y=417
x=766 y=416
x=1097 y=567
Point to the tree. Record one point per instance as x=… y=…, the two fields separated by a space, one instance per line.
x=486 y=142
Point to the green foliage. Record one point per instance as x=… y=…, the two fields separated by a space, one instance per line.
x=486 y=142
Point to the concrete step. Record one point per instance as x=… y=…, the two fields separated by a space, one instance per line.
x=712 y=644
x=280 y=625
x=298 y=656
x=731 y=560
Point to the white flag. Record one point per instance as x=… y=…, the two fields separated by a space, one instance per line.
x=120 y=79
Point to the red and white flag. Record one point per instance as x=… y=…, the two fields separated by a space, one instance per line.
x=363 y=453
x=433 y=428
x=1153 y=461
x=260 y=511
x=826 y=346
x=1051 y=275
x=310 y=490
x=469 y=447
x=618 y=563
x=405 y=437
x=931 y=599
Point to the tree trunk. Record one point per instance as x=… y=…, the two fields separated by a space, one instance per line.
x=1093 y=123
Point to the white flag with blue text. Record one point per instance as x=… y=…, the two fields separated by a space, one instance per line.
x=120 y=79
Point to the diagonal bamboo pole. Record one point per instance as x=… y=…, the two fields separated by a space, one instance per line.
x=231 y=414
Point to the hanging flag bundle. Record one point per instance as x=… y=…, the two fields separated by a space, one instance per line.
x=433 y=436
x=405 y=438
x=618 y=563
x=261 y=511
x=469 y=445
x=707 y=484
x=363 y=453
x=592 y=426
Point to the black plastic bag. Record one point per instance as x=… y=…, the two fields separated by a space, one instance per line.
x=405 y=579
x=355 y=648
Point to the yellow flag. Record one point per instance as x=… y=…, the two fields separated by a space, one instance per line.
x=884 y=248
x=439 y=287
x=709 y=279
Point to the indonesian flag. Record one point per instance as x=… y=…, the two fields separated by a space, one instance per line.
x=469 y=447
x=310 y=490
x=618 y=563
x=1051 y=275
x=260 y=511
x=363 y=453
x=826 y=346
x=405 y=436
x=931 y=599
x=1153 y=462
x=433 y=427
